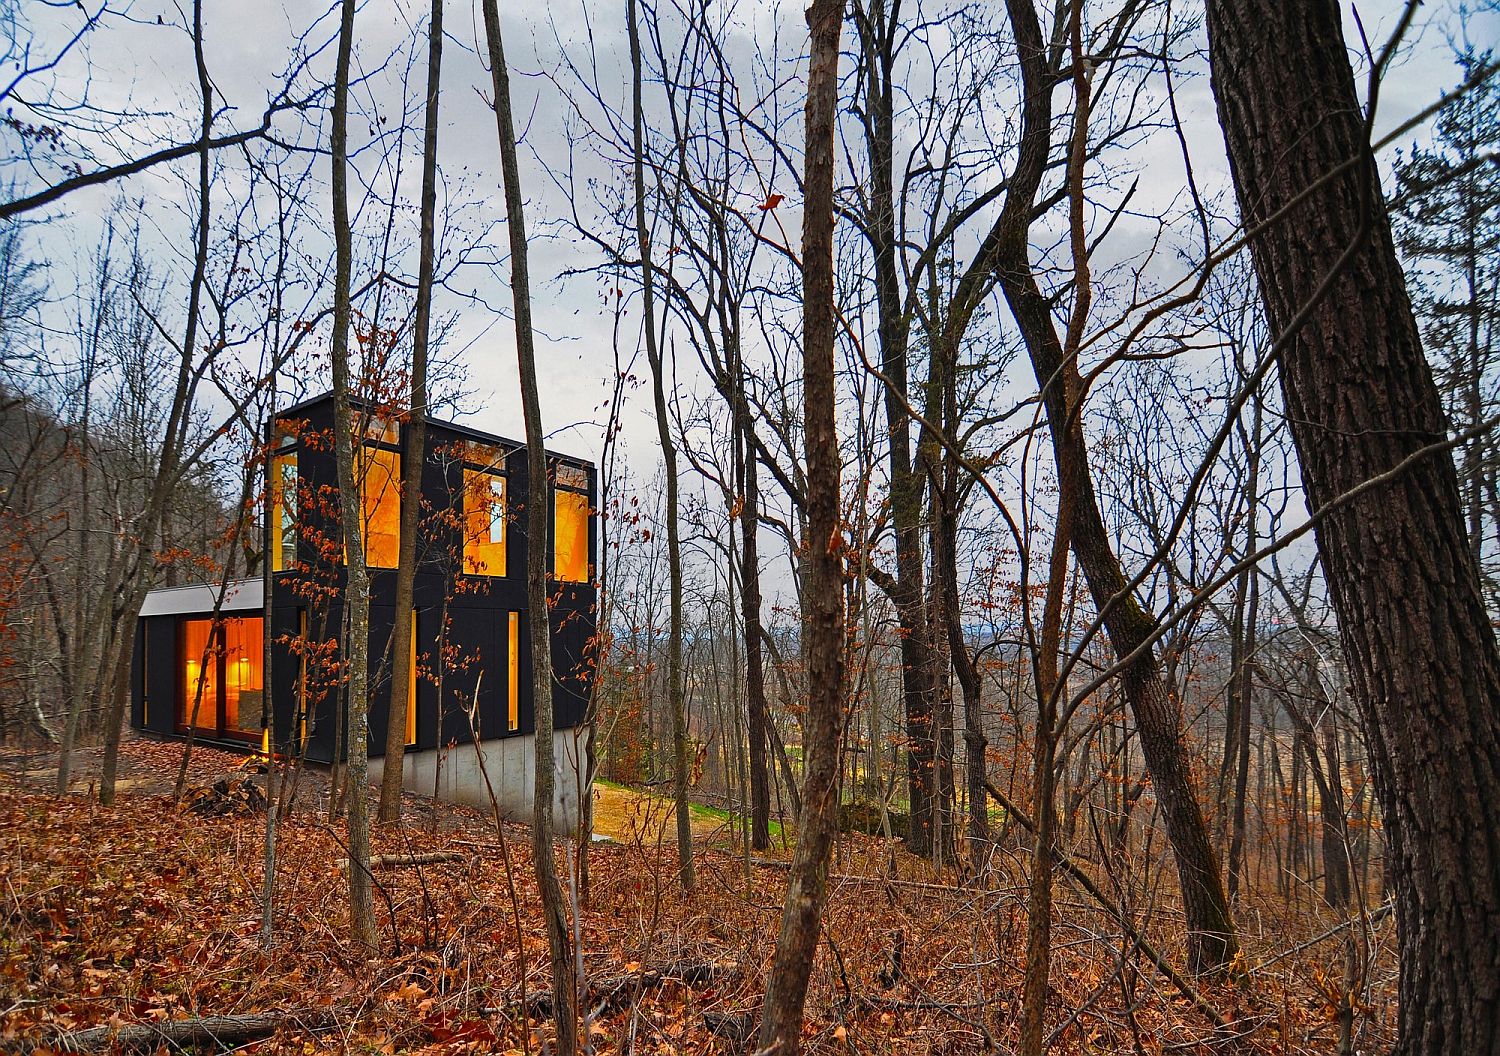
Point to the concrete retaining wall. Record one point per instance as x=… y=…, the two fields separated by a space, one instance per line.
x=510 y=763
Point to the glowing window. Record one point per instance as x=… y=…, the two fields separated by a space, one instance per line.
x=513 y=635
x=484 y=523
x=229 y=666
x=570 y=536
x=283 y=541
x=411 y=689
x=244 y=660
x=379 y=473
x=199 y=704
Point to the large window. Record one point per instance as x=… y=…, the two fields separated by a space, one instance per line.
x=283 y=539
x=484 y=523
x=223 y=682
x=379 y=474
x=570 y=525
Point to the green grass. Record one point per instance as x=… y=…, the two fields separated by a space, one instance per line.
x=701 y=811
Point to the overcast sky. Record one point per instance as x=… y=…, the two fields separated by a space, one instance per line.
x=142 y=63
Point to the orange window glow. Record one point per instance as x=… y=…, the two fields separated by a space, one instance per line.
x=200 y=676
x=411 y=689
x=228 y=664
x=484 y=523
x=244 y=659
x=513 y=713
x=570 y=536
x=379 y=472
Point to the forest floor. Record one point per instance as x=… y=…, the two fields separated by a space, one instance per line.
x=142 y=914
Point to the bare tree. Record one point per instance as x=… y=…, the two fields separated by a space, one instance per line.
x=823 y=631
x=1375 y=456
x=348 y=434
x=564 y=977
x=416 y=439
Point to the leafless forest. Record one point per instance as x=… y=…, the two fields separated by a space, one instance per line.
x=1048 y=521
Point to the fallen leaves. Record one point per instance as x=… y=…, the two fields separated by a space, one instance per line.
x=138 y=915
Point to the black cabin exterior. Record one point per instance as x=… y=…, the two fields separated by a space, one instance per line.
x=470 y=606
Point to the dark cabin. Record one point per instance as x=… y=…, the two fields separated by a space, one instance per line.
x=473 y=671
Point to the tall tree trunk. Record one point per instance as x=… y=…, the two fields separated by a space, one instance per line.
x=271 y=537
x=416 y=442
x=356 y=641
x=132 y=583
x=877 y=46
x=755 y=675
x=1044 y=796
x=823 y=590
x=564 y=969
x=1157 y=710
x=675 y=696
x=1361 y=403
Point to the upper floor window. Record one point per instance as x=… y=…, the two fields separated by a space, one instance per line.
x=570 y=525
x=484 y=522
x=378 y=471
x=283 y=534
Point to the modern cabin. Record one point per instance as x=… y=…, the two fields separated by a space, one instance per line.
x=203 y=670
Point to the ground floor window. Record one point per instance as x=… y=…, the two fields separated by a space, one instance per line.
x=223 y=683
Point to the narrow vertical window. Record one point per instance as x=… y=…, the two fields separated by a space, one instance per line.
x=411 y=689
x=379 y=472
x=283 y=540
x=513 y=635
x=570 y=536
x=301 y=653
x=484 y=523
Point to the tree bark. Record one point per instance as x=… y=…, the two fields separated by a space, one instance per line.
x=356 y=642
x=564 y=977
x=755 y=674
x=416 y=442
x=1157 y=711
x=1360 y=399
x=823 y=634
x=877 y=43
x=675 y=696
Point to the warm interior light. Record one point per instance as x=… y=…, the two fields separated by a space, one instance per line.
x=570 y=536
x=484 y=523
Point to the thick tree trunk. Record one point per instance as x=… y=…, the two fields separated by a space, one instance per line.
x=1360 y=401
x=416 y=443
x=823 y=633
x=564 y=968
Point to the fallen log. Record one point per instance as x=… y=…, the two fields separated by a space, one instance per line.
x=403 y=861
x=612 y=992
x=219 y=1031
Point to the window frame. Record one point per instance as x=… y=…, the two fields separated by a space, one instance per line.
x=362 y=463
x=497 y=468
x=285 y=516
x=218 y=633
x=585 y=492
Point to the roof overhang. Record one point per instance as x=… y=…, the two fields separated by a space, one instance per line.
x=240 y=595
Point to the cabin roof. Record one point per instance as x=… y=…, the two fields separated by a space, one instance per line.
x=465 y=430
x=240 y=595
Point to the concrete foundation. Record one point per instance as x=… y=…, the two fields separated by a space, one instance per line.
x=510 y=765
